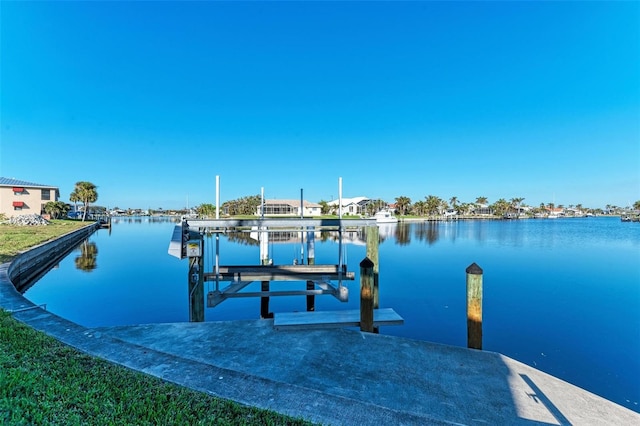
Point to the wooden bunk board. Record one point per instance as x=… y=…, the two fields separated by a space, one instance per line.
x=281 y=273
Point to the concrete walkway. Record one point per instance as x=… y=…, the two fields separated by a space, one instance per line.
x=335 y=376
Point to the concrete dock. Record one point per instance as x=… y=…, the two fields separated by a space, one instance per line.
x=335 y=376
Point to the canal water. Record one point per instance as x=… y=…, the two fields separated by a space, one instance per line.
x=562 y=295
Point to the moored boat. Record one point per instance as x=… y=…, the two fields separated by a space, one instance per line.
x=385 y=216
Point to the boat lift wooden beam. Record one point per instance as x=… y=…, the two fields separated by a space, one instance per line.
x=280 y=273
x=214 y=298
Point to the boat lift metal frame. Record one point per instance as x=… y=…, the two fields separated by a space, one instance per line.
x=241 y=276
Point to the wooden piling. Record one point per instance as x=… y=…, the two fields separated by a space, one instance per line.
x=366 y=295
x=373 y=239
x=474 y=306
x=264 y=301
x=311 y=299
x=196 y=289
x=264 y=285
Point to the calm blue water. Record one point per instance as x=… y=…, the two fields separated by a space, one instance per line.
x=561 y=295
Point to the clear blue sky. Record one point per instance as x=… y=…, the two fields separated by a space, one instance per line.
x=150 y=101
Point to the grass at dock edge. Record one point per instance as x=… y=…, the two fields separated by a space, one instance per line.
x=43 y=381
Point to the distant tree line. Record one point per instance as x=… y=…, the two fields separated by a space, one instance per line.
x=242 y=206
x=431 y=205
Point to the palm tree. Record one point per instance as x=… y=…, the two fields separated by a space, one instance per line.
x=636 y=205
x=206 y=210
x=85 y=192
x=56 y=209
x=515 y=203
x=500 y=207
x=454 y=202
x=432 y=204
x=444 y=206
x=324 y=207
x=482 y=200
x=402 y=203
x=419 y=208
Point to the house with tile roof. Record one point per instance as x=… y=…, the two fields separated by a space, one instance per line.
x=19 y=197
x=289 y=208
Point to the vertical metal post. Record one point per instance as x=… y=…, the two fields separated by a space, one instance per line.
x=474 y=306
x=217 y=271
x=302 y=228
x=217 y=197
x=340 y=198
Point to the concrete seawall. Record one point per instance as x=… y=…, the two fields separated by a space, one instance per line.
x=30 y=265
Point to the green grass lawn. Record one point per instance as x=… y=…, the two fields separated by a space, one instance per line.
x=43 y=381
x=14 y=239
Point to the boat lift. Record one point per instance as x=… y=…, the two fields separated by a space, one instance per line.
x=187 y=242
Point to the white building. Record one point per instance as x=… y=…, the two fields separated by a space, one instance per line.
x=289 y=208
x=350 y=206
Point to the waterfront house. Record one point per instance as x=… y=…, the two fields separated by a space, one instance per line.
x=482 y=210
x=18 y=197
x=556 y=211
x=350 y=206
x=573 y=212
x=289 y=208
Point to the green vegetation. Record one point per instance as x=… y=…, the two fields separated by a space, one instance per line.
x=84 y=192
x=57 y=209
x=14 y=239
x=206 y=210
x=241 y=206
x=43 y=381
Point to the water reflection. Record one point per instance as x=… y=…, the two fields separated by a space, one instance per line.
x=244 y=238
x=147 y=219
x=87 y=261
x=427 y=231
x=397 y=233
x=403 y=234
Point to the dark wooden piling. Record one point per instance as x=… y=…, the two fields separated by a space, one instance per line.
x=373 y=239
x=264 y=301
x=311 y=299
x=196 y=289
x=366 y=295
x=474 y=306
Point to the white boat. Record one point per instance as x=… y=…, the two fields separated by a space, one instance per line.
x=385 y=216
